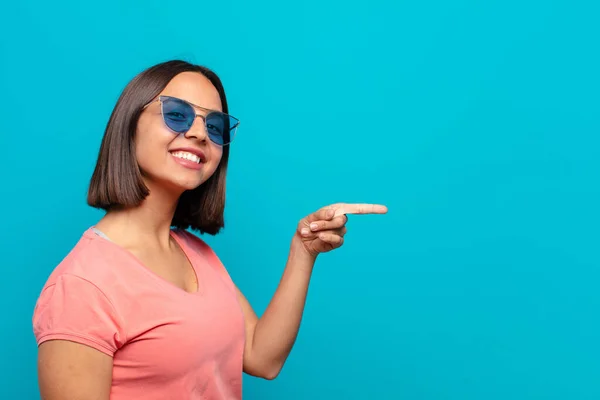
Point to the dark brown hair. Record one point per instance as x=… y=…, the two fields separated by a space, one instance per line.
x=117 y=181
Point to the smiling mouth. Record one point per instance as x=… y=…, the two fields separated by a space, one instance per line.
x=187 y=156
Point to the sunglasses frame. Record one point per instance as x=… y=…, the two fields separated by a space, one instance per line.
x=193 y=106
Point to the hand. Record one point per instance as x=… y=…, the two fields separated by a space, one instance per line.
x=324 y=230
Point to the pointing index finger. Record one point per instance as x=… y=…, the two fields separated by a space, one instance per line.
x=360 y=209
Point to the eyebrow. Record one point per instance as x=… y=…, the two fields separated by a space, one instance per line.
x=193 y=104
x=203 y=108
x=187 y=101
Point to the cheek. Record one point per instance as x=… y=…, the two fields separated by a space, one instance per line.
x=150 y=147
x=217 y=154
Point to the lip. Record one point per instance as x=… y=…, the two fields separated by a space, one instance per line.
x=187 y=163
x=192 y=150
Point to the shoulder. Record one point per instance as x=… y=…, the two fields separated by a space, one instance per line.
x=196 y=244
x=79 y=301
x=92 y=262
x=83 y=259
x=202 y=249
x=73 y=304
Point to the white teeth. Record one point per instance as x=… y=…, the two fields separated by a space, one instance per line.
x=186 y=156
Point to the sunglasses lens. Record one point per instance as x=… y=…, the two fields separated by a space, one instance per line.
x=178 y=115
x=221 y=127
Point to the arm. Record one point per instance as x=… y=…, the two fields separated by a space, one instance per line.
x=269 y=339
x=72 y=371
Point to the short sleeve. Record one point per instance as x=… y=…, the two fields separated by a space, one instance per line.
x=74 y=309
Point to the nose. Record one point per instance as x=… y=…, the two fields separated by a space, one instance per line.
x=198 y=129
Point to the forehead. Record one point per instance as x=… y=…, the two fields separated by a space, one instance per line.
x=195 y=88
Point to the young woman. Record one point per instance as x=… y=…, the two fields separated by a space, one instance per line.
x=141 y=308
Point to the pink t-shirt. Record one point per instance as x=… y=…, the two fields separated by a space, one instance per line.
x=166 y=343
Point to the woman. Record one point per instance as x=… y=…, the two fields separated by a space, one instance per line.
x=140 y=308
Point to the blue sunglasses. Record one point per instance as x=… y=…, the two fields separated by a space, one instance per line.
x=179 y=116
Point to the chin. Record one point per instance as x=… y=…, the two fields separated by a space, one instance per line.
x=188 y=185
x=176 y=185
x=178 y=180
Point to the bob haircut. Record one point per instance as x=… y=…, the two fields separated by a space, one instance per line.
x=117 y=180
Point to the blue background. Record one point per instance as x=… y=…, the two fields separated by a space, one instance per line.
x=475 y=122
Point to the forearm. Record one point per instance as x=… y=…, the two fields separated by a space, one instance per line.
x=277 y=329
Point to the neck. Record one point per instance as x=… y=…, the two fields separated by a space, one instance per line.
x=147 y=224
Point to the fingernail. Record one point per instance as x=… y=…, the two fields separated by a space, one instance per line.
x=305 y=231
x=314 y=226
x=330 y=213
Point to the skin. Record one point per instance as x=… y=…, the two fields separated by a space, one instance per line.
x=71 y=371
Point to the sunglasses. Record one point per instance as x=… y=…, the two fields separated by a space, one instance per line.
x=179 y=116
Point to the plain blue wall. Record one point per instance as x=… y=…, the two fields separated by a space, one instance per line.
x=476 y=122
